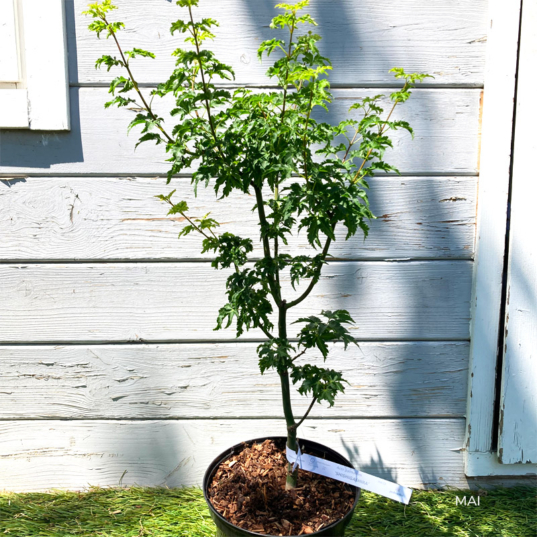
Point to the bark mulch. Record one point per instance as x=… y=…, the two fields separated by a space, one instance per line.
x=248 y=489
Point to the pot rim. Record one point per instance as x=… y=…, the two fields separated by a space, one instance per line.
x=225 y=454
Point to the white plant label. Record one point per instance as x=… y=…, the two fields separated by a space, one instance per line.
x=349 y=475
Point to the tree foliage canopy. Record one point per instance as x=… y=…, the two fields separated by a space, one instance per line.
x=260 y=142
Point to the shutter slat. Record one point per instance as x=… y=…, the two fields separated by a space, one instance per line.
x=9 y=56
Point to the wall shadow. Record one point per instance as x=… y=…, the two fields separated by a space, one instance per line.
x=43 y=149
x=329 y=17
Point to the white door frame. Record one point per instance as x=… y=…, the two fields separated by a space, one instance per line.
x=495 y=167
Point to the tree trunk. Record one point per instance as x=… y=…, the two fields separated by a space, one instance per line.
x=291 y=480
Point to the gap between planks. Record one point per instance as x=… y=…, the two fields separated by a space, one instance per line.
x=430 y=85
x=203 y=341
x=9 y=176
x=90 y=261
x=240 y=418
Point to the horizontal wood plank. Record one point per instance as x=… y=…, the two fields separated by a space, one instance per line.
x=120 y=218
x=180 y=301
x=364 y=39
x=40 y=455
x=445 y=124
x=415 y=379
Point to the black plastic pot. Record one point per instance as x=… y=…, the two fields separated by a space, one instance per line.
x=226 y=529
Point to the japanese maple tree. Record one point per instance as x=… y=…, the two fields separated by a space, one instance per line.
x=306 y=175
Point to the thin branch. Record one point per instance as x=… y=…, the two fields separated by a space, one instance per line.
x=135 y=84
x=297 y=425
x=306 y=135
x=202 y=73
x=276 y=292
x=266 y=332
x=262 y=219
x=191 y=222
x=380 y=132
x=298 y=355
x=287 y=71
x=351 y=143
x=315 y=278
x=276 y=246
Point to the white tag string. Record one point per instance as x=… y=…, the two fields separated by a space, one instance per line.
x=349 y=475
x=298 y=459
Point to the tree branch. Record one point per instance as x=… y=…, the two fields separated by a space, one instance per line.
x=287 y=71
x=351 y=143
x=354 y=179
x=305 y=137
x=297 y=425
x=299 y=355
x=146 y=105
x=276 y=291
x=197 y=228
x=202 y=73
x=266 y=332
x=315 y=279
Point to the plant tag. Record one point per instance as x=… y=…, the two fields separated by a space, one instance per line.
x=349 y=475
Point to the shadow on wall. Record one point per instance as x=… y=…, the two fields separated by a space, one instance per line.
x=346 y=48
x=43 y=149
x=375 y=466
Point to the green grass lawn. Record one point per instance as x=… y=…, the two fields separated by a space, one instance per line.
x=136 y=512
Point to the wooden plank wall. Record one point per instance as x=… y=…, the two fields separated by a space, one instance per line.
x=108 y=358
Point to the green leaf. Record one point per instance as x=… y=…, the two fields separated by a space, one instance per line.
x=149 y=137
x=323 y=384
x=109 y=62
x=318 y=333
x=275 y=354
x=181 y=207
x=138 y=52
x=187 y=3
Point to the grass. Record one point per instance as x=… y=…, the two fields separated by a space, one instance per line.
x=137 y=512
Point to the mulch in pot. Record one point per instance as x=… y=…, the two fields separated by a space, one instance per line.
x=248 y=489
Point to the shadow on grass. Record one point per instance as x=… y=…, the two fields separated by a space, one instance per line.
x=136 y=512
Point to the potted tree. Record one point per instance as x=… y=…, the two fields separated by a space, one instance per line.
x=304 y=175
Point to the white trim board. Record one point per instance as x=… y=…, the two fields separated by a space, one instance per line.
x=517 y=442
x=497 y=127
x=487 y=464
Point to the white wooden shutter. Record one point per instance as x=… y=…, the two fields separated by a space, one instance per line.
x=34 y=85
x=9 y=56
x=13 y=94
x=518 y=404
